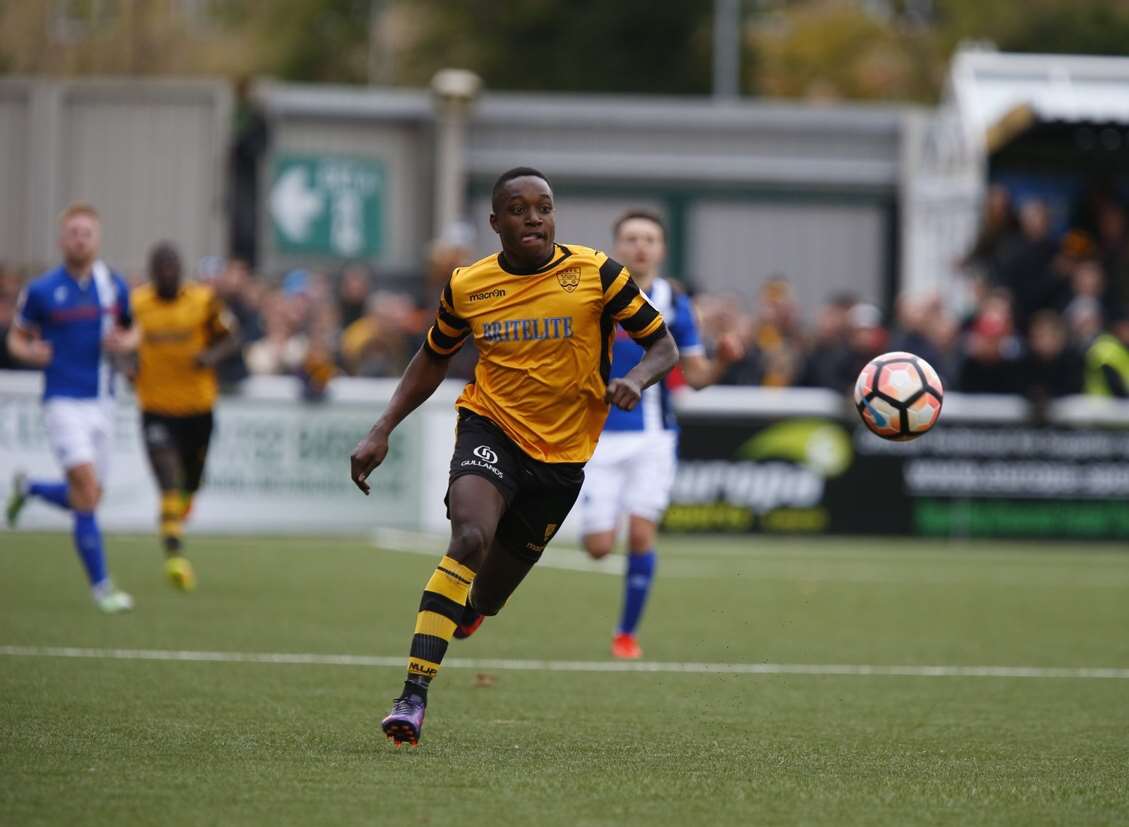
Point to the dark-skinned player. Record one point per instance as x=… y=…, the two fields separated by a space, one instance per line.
x=185 y=332
x=542 y=316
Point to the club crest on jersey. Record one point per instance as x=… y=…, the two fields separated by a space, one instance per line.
x=569 y=278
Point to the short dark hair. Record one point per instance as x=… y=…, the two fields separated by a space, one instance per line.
x=646 y=215
x=511 y=174
x=163 y=251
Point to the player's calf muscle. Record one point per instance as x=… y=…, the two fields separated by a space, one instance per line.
x=83 y=488
x=640 y=535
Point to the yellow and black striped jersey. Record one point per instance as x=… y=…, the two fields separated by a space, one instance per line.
x=173 y=333
x=544 y=345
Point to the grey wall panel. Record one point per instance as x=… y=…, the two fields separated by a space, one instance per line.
x=735 y=246
x=687 y=140
x=13 y=176
x=586 y=221
x=149 y=165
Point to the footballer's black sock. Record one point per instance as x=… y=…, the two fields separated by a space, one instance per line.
x=440 y=610
x=470 y=614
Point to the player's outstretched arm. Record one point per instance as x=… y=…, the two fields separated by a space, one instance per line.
x=424 y=374
x=657 y=361
x=701 y=371
x=27 y=348
x=224 y=335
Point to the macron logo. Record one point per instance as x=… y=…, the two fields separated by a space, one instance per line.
x=482 y=295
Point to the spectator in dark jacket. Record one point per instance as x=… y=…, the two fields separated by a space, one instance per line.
x=1052 y=367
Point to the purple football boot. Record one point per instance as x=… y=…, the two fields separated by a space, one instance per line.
x=404 y=723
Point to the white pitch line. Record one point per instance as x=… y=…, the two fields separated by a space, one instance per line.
x=844 y=669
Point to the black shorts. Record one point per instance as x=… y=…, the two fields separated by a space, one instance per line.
x=538 y=495
x=188 y=437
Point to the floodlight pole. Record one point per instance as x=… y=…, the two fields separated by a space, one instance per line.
x=454 y=90
x=726 y=49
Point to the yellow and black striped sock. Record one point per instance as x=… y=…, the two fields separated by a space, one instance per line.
x=172 y=520
x=440 y=611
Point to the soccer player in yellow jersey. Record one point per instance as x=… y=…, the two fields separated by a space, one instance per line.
x=185 y=332
x=542 y=316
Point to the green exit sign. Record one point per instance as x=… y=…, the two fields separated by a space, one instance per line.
x=327 y=205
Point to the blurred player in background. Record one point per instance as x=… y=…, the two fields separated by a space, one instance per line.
x=542 y=315
x=72 y=322
x=185 y=332
x=631 y=473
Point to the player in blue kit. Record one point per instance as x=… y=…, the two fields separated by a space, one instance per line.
x=71 y=322
x=630 y=476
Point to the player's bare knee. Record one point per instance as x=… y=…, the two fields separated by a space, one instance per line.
x=468 y=544
x=598 y=546
x=640 y=536
x=84 y=491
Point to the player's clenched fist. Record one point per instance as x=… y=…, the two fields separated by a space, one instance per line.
x=729 y=349
x=368 y=454
x=623 y=393
x=38 y=354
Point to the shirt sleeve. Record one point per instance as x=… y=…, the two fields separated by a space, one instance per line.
x=624 y=302
x=29 y=310
x=449 y=331
x=684 y=327
x=219 y=321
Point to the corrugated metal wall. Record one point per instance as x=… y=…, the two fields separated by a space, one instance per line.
x=151 y=155
x=820 y=248
x=14 y=167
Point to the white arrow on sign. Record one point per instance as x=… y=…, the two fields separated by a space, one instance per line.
x=294 y=204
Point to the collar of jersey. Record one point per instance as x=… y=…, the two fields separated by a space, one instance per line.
x=545 y=268
x=179 y=294
x=83 y=283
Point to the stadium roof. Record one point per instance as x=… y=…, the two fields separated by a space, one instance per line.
x=993 y=90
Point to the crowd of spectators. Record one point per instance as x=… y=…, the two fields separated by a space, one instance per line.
x=1037 y=302
x=313 y=324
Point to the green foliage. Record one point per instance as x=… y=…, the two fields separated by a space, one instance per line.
x=1094 y=27
x=1053 y=26
x=312 y=40
x=822 y=49
x=832 y=50
x=582 y=45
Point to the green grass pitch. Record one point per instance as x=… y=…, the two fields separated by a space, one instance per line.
x=136 y=741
